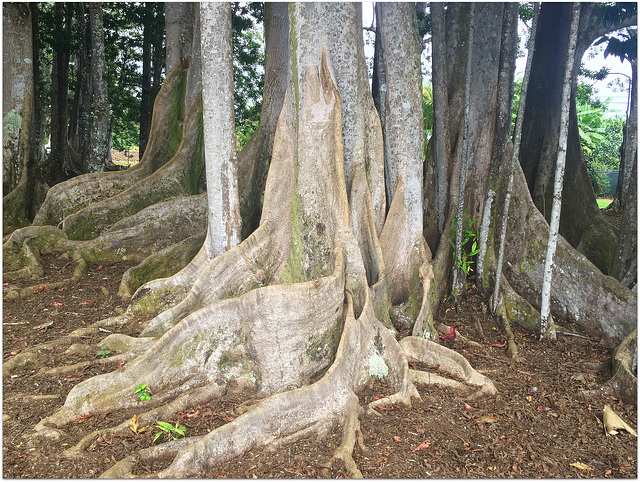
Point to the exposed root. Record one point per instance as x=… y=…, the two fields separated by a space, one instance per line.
x=447 y=361
x=430 y=379
x=197 y=396
x=351 y=433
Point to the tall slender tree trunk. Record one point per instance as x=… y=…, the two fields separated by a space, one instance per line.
x=99 y=144
x=146 y=103
x=547 y=326
x=59 y=91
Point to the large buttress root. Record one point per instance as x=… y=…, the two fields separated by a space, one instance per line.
x=70 y=196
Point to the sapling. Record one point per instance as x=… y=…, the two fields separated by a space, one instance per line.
x=142 y=392
x=103 y=353
x=170 y=430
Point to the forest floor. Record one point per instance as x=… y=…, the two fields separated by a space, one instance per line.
x=544 y=423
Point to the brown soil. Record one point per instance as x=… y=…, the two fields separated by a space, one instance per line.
x=546 y=416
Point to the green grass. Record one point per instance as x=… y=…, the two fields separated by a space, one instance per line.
x=603 y=203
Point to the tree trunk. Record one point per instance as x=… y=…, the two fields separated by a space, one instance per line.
x=57 y=164
x=503 y=130
x=440 y=120
x=99 y=143
x=547 y=326
x=18 y=105
x=581 y=222
x=305 y=259
x=146 y=103
x=219 y=127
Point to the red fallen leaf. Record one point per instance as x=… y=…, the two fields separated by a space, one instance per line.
x=378 y=397
x=546 y=409
x=68 y=376
x=194 y=414
x=467 y=406
x=88 y=301
x=528 y=379
x=449 y=308
x=465 y=351
x=100 y=267
x=424 y=445
x=55 y=303
x=499 y=345
x=39 y=289
x=121 y=364
x=421 y=410
x=397 y=439
x=6 y=283
x=84 y=417
x=15 y=352
x=228 y=419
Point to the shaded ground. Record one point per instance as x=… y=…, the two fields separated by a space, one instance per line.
x=546 y=416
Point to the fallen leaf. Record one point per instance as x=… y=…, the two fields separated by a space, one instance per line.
x=546 y=409
x=498 y=345
x=6 y=283
x=613 y=422
x=55 y=303
x=529 y=398
x=99 y=267
x=397 y=439
x=193 y=415
x=581 y=466
x=15 y=352
x=88 y=301
x=378 y=397
x=467 y=406
x=465 y=351
x=608 y=473
x=487 y=419
x=84 y=417
x=424 y=445
x=134 y=424
x=121 y=364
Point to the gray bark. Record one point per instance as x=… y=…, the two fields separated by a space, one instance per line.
x=517 y=136
x=547 y=326
x=219 y=129
x=99 y=145
x=440 y=133
x=457 y=284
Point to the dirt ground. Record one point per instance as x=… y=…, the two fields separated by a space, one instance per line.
x=544 y=423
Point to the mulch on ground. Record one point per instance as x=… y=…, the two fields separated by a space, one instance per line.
x=545 y=421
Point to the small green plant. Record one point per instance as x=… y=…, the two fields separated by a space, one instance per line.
x=103 y=353
x=142 y=392
x=464 y=261
x=172 y=432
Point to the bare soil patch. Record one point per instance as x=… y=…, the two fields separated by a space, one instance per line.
x=546 y=417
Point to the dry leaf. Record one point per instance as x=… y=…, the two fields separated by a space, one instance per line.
x=467 y=406
x=612 y=423
x=133 y=423
x=84 y=417
x=424 y=445
x=487 y=419
x=397 y=439
x=581 y=466
x=529 y=398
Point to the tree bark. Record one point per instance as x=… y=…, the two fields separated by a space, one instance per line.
x=547 y=326
x=146 y=103
x=581 y=222
x=219 y=127
x=57 y=164
x=99 y=143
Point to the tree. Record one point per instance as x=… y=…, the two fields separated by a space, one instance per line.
x=581 y=222
x=297 y=314
x=547 y=326
x=20 y=115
